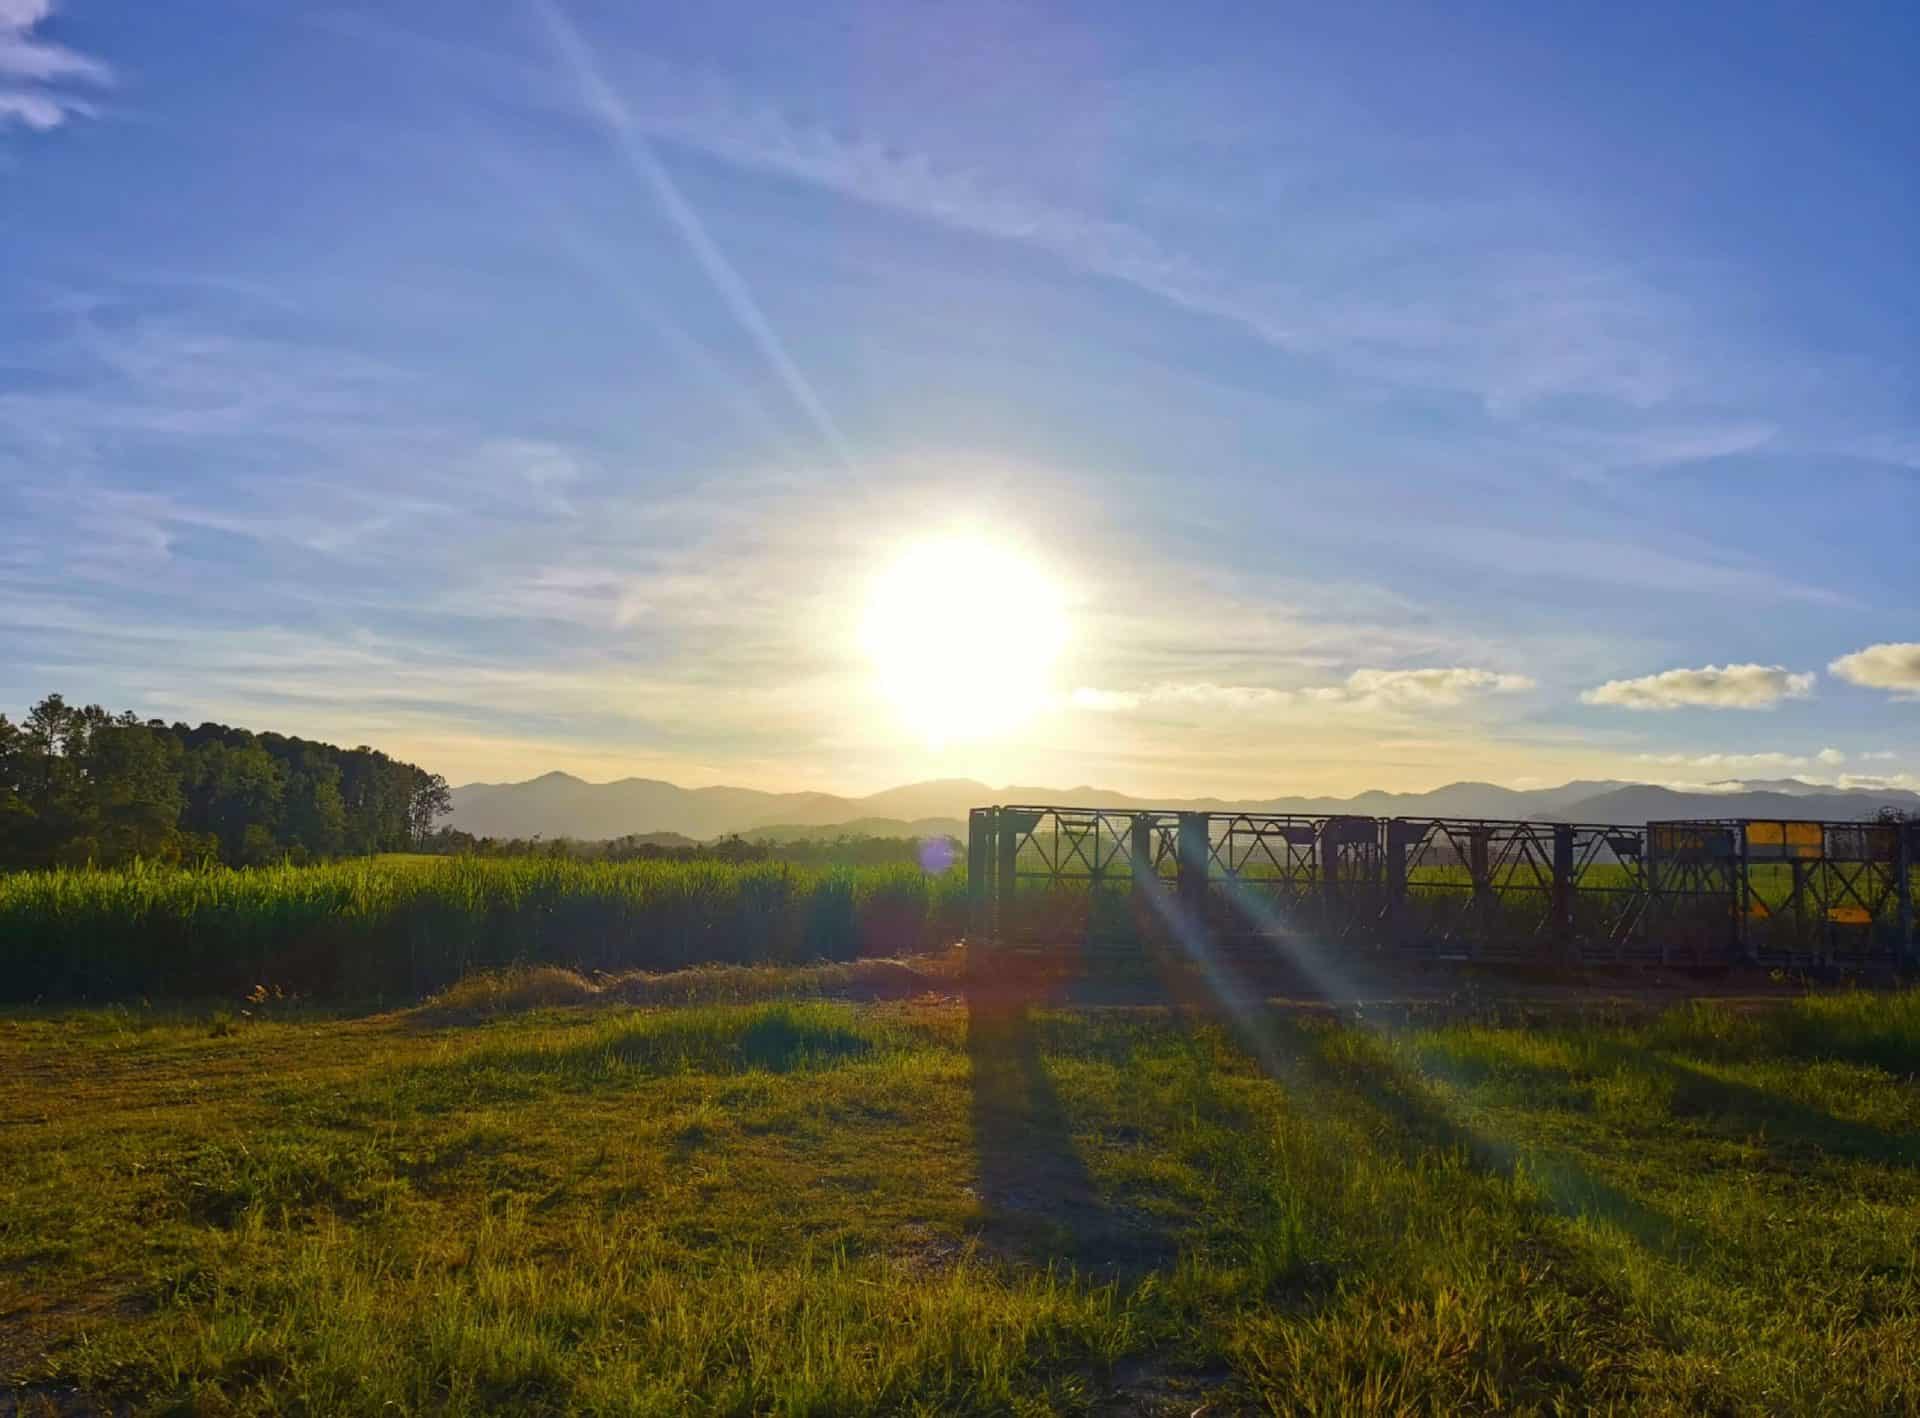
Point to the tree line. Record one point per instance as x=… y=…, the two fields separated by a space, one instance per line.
x=842 y=850
x=79 y=784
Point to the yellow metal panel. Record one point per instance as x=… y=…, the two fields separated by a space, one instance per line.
x=1849 y=915
x=1801 y=841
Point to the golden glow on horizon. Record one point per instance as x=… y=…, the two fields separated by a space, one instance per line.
x=963 y=633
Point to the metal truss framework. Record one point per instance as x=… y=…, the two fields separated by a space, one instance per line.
x=1694 y=893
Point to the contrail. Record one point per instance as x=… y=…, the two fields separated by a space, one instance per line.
x=604 y=102
x=593 y=258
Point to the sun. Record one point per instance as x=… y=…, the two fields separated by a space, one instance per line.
x=963 y=633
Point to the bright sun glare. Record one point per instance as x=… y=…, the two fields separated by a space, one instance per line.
x=963 y=633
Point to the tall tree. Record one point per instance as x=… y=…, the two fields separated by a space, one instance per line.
x=235 y=793
x=133 y=794
x=316 y=819
x=431 y=800
x=17 y=817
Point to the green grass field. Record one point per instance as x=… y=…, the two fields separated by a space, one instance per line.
x=398 y=926
x=938 y=1206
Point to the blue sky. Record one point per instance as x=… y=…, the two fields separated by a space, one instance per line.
x=1384 y=396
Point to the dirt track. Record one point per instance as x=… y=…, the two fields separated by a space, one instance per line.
x=1424 y=989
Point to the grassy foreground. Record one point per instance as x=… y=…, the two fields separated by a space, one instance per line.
x=934 y=1207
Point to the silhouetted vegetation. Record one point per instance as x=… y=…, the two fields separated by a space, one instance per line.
x=841 y=850
x=80 y=785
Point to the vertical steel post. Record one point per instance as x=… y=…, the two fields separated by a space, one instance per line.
x=979 y=872
x=1398 y=837
x=1140 y=849
x=1195 y=848
x=1908 y=949
x=1006 y=856
x=1563 y=887
x=1742 y=901
x=1656 y=907
x=1479 y=867
x=1805 y=897
x=1327 y=849
x=1140 y=860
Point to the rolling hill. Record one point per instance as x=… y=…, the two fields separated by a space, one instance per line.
x=560 y=805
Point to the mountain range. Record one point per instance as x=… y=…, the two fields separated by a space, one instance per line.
x=561 y=805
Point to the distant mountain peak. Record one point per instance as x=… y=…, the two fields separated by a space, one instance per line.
x=559 y=804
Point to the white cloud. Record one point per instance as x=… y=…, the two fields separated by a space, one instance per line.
x=1710 y=687
x=1894 y=666
x=1425 y=689
x=1908 y=782
x=1734 y=765
x=40 y=67
x=1368 y=688
x=37 y=111
x=1693 y=785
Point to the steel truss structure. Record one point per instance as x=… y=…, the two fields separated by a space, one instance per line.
x=1700 y=893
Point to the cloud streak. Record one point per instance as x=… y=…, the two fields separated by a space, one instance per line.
x=1736 y=764
x=35 y=72
x=1374 y=689
x=1710 y=687
x=1509 y=309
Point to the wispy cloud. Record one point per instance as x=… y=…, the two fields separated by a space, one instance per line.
x=1488 y=290
x=1406 y=690
x=1512 y=313
x=1710 y=687
x=36 y=73
x=1736 y=764
x=1543 y=326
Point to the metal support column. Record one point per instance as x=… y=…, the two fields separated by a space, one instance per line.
x=1140 y=850
x=1195 y=848
x=1563 y=888
x=980 y=873
x=1655 y=914
x=1743 y=948
x=1909 y=835
x=1479 y=867
x=1327 y=849
x=1400 y=836
x=1006 y=854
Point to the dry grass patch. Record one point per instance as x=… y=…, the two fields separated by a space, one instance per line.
x=517 y=989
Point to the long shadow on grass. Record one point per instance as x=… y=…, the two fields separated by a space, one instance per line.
x=1742 y=1109
x=1724 y=1106
x=1040 y=1202
x=1422 y=1123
